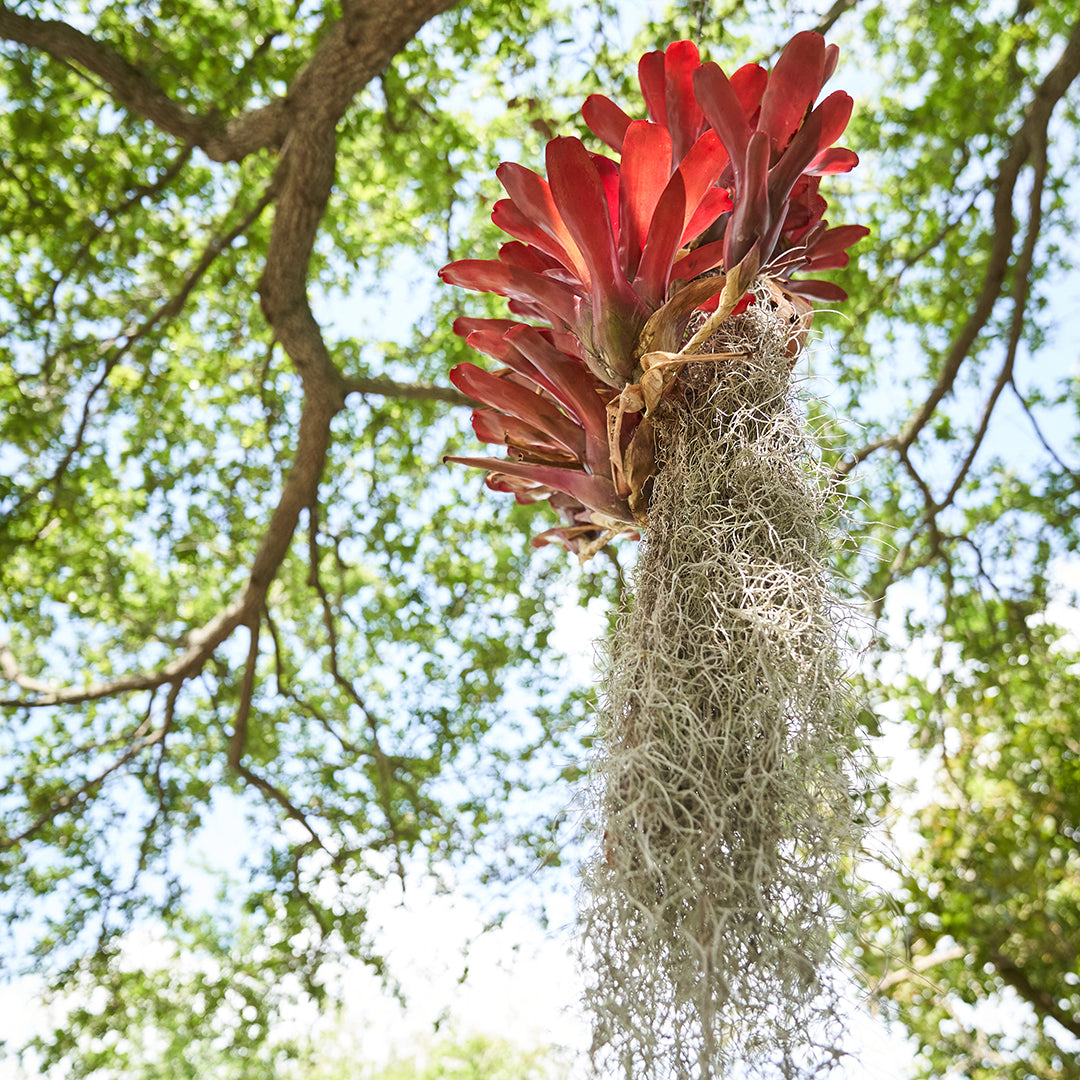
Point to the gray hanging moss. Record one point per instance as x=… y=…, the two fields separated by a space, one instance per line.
x=723 y=784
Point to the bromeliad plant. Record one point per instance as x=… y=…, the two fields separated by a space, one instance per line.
x=668 y=296
x=619 y=259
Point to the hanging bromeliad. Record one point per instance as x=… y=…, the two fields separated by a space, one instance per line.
x=650 y=394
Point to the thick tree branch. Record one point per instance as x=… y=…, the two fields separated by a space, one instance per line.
x=137 y=92
x=1041 y=1000
x=917 y=968
x=830 y=18
x=354 y=51
x=385 y=387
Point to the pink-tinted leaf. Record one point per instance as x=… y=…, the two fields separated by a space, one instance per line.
x=643 y=177
x=816 y=290
x=464 y=325
x=716 y=202
x=793 y=85
x=525 y=309
x=565 y=377
x=525 y=493
x=606 y=120
x=532 y=196
x=707 y=257
x=838 y=239
x=750 y=219
x=515 y=400
x=837 y=159
x=724 y=110
x=596 y=492
x=509 y=217
x=528 y=257
x=685 y=119
x=832 y=55
x=573 y=386
x=527 y=352
x=553 y=300
x=662 y=244
x=749 y=84
x=516 y=435
x=652 y=77
x=835 y=112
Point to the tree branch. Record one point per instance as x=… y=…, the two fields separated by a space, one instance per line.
x=386 y=387
x=354 y=50
x=65 y=802
x=829 y=19
x=140 y=95
x=1042 y=1001
x=1031 y=133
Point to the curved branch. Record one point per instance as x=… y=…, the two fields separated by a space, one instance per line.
x=136 y=91
x=354 y=51
x=141 y=740
x=1031 y=134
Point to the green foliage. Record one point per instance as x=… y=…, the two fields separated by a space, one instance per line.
x=474 y=1058
x=272 y=689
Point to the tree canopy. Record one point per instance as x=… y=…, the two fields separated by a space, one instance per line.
x=256 y=638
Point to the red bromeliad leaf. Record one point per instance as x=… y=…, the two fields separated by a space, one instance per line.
x=530 y=443
x=793 y=84
x=596 y=492
x=665 y=234
x=724 y=111
x=608 y=171
x=516 y=400
x=701 y=168
x=490 y=275
x=464 y=325
x=785 y=173
x=585 y=204
x=749 y=84
x=750 y=219
x=817 y=290
x=515 y=253
x=684 y=117
x=652 y=80
x=716 y=202
x=584 y=207
x=835 y=112
x=689 y=205
x=838 y=239
x=524 y=491
x=837 y=159
x=832 y=56
x=606 y=120
x=565 y=378
x=644 y=175
x=509 y=217
x=707 y=257
x=531 y=194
